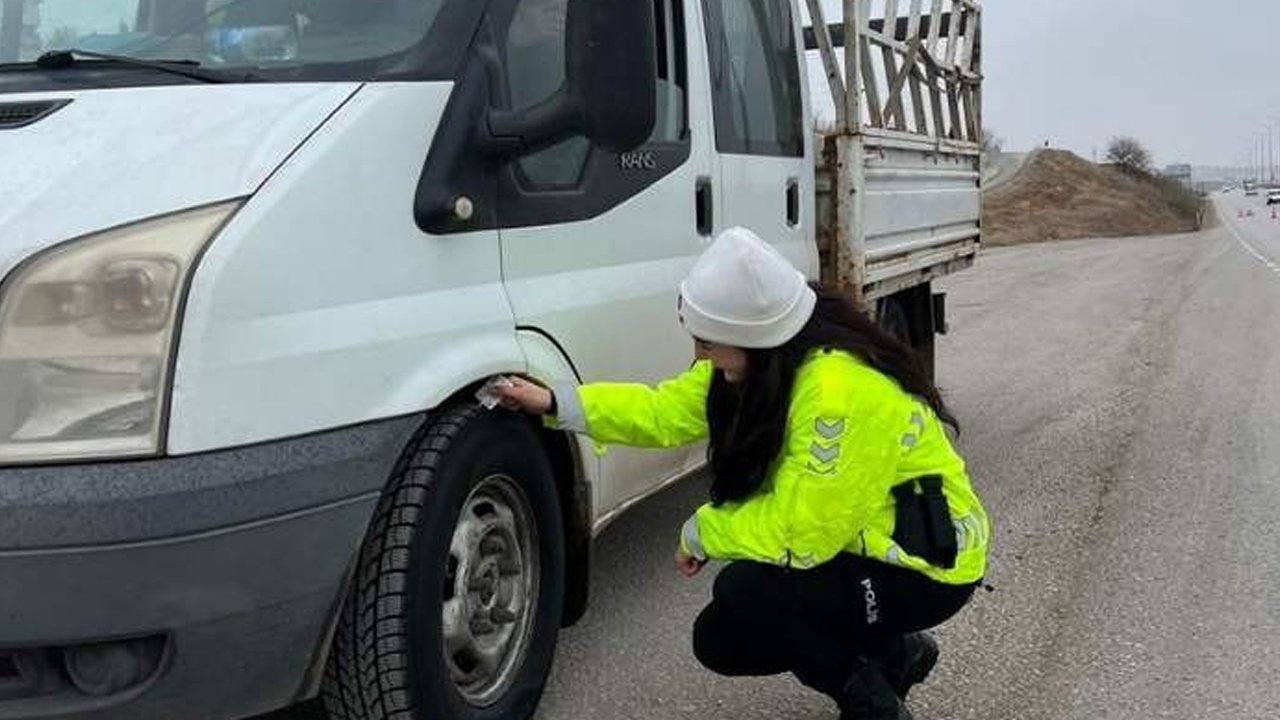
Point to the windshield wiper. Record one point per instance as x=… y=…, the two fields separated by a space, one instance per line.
x=62 y=59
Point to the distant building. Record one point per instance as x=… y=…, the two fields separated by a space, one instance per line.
x=1180 y=172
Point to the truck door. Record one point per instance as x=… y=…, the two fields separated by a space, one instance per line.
x=762 y=140
x=594 y=244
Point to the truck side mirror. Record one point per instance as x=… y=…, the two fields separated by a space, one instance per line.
x=610 y=84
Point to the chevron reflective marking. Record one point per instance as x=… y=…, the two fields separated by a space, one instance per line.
x=969 y=531
x=829 y=430
x=824 y=454
x=803 y=562
x=893 y=555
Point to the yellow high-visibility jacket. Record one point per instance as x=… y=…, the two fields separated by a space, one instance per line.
x=852 y=434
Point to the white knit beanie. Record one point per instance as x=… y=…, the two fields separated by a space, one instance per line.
x=744 y=293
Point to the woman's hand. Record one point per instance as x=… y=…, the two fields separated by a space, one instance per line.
x=688 y=565
x=524 y=395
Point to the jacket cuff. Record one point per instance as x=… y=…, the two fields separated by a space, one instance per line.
x=691 y=540
x=570 y=413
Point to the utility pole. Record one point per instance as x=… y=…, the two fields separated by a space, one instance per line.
x=1260 y=149
x=1256 y=160
x=1262 y=157
x=1273 y=123
x=1268 y=164
x=1266 y=155
x=1267 y=172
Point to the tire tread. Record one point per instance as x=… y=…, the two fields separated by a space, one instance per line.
x=366 y=677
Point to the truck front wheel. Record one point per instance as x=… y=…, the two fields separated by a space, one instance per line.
x=454 y=609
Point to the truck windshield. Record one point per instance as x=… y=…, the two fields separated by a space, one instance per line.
x=259 y=34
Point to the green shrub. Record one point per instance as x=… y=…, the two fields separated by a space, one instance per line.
x=1184 y=201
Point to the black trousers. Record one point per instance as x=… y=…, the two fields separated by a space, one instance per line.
x=817 y=623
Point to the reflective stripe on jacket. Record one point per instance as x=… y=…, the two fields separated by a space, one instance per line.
x=852 y=434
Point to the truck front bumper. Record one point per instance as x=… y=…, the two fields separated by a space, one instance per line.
x=192 y=588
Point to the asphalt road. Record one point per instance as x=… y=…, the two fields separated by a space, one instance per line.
x=1120 y=400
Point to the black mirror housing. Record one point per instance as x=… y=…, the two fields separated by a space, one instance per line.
x=609 y=94
x=612 y=66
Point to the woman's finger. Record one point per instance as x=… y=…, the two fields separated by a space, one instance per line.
x=523 y=395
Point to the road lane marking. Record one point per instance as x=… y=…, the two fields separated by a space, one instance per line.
x=1252 y=250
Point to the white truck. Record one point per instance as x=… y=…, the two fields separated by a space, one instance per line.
x=256 y=257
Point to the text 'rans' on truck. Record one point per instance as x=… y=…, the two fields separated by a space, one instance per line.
x=258 y=255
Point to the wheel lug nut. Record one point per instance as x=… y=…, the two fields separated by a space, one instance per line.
x=502 y=616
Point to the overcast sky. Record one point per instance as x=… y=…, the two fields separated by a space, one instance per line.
x=1194 y=80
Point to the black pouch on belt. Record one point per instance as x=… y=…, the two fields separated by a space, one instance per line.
x=922 y=521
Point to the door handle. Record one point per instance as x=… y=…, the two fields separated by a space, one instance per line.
x=704 y=207
x=793 y=202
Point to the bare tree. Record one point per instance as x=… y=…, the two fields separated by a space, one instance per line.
x=991 y=143
x=1130 y=155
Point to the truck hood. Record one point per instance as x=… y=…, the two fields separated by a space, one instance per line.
x=116 y=156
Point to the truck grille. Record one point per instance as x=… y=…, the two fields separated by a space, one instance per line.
x=21 y=114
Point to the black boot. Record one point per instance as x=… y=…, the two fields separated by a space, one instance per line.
x=869 y=696
x=908 y=661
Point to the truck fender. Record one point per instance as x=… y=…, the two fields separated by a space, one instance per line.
x=577 y=469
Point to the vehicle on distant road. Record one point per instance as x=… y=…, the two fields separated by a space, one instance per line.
x=1273 y=196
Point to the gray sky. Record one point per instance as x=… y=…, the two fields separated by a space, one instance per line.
x=1192 y=79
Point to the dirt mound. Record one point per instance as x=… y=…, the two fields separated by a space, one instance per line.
x=1057 y=195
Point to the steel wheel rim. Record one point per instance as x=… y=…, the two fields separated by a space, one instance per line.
x=490 y=591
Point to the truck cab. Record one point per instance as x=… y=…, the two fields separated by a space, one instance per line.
x=257 y=257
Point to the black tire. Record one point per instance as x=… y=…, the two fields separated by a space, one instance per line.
x=925 y=356
x=389 y=659
x=892 y=316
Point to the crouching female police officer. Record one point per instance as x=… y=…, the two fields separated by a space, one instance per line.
x=847 y=515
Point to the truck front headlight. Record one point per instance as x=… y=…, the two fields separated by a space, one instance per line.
x=86 y=338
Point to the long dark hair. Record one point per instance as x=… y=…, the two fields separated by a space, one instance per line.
x=747 y=420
